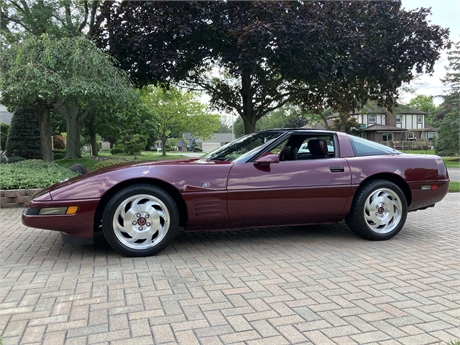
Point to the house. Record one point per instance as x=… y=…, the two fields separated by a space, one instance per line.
x=5 y=115
x=216 y=141
x=396 y=129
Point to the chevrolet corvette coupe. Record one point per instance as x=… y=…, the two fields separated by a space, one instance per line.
x=263 y=179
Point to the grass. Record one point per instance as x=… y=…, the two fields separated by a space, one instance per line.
x=454 y=187
x=89 y=162
x=451 y=162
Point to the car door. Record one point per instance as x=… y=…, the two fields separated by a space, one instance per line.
x=289 y=192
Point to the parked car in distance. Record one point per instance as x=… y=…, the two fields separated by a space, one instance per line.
x=259 y=180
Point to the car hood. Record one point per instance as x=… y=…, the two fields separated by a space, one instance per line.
x=185 y=175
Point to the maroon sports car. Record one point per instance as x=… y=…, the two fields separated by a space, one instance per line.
x=271 y=178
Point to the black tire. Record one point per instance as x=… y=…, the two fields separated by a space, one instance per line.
x=379 y=210
x=140 y=220
x=79 y=168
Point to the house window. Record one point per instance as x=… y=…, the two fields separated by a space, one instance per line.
x=431 y=135
x=387 y=136
x=419 y=118
x=398 y=118
x=411 y=136
x=371 y=118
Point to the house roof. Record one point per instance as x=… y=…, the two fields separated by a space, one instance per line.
x=376 y=127
x=5 y=117
x=220 y=138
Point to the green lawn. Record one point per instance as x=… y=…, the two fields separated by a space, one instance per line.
x=89 y=163
x=451 y=162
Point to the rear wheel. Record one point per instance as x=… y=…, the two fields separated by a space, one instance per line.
x=379 y=210
x=140 y=220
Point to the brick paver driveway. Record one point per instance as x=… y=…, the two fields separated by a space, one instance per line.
x=303 y=285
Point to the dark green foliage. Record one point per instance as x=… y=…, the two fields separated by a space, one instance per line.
x=108 y=163
x=448 y=118
x=116 y=151
x=3 y=160
x=4 y=128
x=133 y=144
x=319 y=54
x=351 y=127
x=448 y=142
x=59 y=154
x=32 y=174
x=15 y=159
x=24 y=135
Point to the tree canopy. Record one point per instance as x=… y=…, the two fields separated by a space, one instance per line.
x=57 y=18
x=177 y=112
x=70 y=75
x=255 y=56
x=448 y=117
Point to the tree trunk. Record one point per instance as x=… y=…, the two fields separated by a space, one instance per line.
x=45 y=134
x=343 y=122
x=73 y=134
x=94 y=144
x=248 y=114
x=163 y=144
x=249 y=125
x=74 y=121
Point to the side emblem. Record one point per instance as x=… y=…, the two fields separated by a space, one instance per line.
x=206 y=185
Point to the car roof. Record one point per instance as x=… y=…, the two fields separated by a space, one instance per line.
x=302 y=130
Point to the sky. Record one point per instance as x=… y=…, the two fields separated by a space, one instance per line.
x=445 y=13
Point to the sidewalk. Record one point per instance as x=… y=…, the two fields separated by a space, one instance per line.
x=303 y=285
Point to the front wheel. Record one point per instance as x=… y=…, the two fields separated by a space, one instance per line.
x=140 y=220
x=379 y=210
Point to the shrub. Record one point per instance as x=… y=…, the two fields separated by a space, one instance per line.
x=15 y=159
x=24 y=135
x=32 y=174
x=116 y=150
x=4 y=128
x=58 y=154
x=3 y=160
x=133 y=144
x=58 y=142
x=107 y=163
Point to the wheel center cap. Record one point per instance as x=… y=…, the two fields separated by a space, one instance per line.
x=141 y=221
x=381 y=210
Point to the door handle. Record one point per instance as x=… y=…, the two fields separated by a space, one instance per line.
x=337 y=168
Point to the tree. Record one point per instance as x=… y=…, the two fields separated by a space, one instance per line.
x=452 y=77
x=177 y=112
x=424 y=103
x=57 y=18
x=448 y=142
x=254 y=57
x=448 y=118
x=4 y=128
x=70 y=75
x=24 y=135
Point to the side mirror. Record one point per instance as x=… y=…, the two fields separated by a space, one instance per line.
x=267 y=159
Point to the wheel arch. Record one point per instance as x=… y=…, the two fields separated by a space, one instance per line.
x=175 y=194
x=396 y=179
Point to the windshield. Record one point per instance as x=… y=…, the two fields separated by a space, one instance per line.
x=242 y=147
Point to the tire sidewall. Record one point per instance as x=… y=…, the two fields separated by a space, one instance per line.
x=356 y=220
x=123 y=194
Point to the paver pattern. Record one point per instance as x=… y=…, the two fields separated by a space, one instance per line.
x=292 y=285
